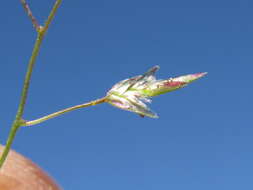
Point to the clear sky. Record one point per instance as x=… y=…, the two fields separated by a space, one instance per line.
x=204 y=136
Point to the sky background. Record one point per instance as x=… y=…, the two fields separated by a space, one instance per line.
x=204 y=136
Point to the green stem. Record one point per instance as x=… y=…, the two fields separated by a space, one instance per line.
x=28 y=75
x=51 y=15
x=9 y=142
x=18 y=119
x=56 y=114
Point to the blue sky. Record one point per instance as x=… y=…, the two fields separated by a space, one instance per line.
x=203 y=138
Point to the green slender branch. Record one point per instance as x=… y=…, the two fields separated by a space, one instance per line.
x=56 y=114
x=17 y=122
x=51 y=15
x=28 y=76
x=18 y=119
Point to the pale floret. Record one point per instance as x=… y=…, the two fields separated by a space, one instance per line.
x=132 y=94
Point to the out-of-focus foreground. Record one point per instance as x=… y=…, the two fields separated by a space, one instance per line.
x=20 y=173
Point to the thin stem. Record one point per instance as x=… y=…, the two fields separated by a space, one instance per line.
x=16 y=124
x=18 y=119
x=56 y=114
x=33 y=59
x=51 y=15
x=9 y=142
x=30 y=14
x=28 y=76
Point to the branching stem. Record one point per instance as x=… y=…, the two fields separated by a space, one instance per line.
x=18 y=122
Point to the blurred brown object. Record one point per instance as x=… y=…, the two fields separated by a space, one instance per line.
x=20 y=173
